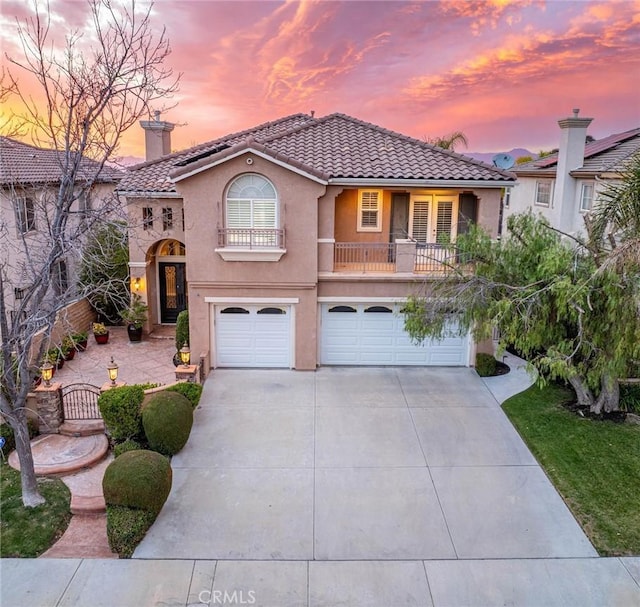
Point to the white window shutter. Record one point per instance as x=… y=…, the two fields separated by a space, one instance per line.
x=420 y=228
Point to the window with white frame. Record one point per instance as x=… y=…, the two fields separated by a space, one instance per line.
x=25 y=214
x=543 y=193
x=252 y=212
x=506 y=198
x=369 y=211
x=586 y=197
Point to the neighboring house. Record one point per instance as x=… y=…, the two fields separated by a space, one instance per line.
x=564 y=185
x=29 y=181
x=294 y=243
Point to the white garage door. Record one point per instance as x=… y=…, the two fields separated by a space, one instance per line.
x=253 y=336
x=370 y=334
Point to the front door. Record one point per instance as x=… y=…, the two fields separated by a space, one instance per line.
x=173 y=291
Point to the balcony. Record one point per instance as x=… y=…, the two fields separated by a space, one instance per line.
x=403 y=256
x=250 y=244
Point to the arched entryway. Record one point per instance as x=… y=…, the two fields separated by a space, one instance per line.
x=171 y=279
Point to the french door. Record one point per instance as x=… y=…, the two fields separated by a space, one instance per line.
x=431 y=219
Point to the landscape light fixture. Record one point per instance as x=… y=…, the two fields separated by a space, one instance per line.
x=112 y=369
x=136 y=284
x=47 y=373
x=185 y=355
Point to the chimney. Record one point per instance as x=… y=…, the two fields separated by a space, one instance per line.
x=570 y=157
x=157 y=137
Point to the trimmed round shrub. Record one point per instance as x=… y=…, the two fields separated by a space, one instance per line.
x=138 y=479
x=120 y=410
x=167 y=419
x=126 y=527
x=128 y=445
x=189 y=390
x=485 y=365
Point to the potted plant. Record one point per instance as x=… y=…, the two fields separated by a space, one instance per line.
x=55 y=357
x=68 y=348
x=135 y=317
x=100 y=333
x=80 y=341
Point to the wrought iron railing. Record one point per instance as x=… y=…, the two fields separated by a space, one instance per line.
x=364 y=257
x=435 y=258
x=251 y=238
x=80 y=401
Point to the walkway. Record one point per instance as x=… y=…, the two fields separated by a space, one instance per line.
x=348 y=487
x=147 y=361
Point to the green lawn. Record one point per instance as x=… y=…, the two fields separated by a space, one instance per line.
x=595 y=465
x=28 y=532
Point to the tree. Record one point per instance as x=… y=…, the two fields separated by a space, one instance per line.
x=104 y=270
x=569 y=314
x=449 y=142
x=101 y=82
x=614 y=225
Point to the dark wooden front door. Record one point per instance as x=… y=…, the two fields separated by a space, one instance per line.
x=173 y=291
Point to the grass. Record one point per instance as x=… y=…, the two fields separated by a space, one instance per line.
x=595 y=465
x=28 y=532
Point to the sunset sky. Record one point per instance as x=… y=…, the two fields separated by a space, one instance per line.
x=501 y=71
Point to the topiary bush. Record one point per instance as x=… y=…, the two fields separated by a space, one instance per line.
x=188 y=390
x=182 y=329
x=128 y=445
x=138 y=479
x=167 y=419
x=126 y=527
x=120 y=410
x=485 y=365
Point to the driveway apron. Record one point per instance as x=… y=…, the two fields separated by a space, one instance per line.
x=362 y=464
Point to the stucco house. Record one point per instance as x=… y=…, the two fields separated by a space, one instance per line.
x=29 y=181
x=294 y=243
x=564 y=185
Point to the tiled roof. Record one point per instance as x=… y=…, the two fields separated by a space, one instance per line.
x=606 y=155
x=153 y=176
x=334 y=147
x=23 y=164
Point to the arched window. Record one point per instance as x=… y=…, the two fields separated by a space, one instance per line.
x=252 y=203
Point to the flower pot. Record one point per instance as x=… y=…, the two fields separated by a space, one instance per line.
x=59 y=363
x=81 y=346
x=102 y=339
x=70 y=354
x=134 y=333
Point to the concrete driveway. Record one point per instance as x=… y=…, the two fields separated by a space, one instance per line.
x=358 y=464
x=355 y=487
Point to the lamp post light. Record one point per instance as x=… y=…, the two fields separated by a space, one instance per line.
x=185 y=355
x=47 y=373
x=112 y=369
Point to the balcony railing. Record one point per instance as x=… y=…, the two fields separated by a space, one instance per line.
x=364 y=257
x=251 y=238
x=401 y=256
x=435 y=258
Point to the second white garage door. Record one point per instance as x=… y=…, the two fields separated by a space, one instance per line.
x=370 y=334
x=253 y=336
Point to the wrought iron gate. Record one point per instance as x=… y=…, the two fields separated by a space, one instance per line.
x=80 y=401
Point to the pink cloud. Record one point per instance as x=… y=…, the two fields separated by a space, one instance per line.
x=503 y=71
